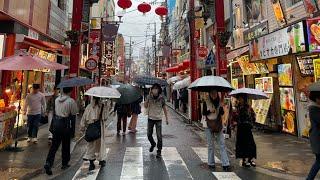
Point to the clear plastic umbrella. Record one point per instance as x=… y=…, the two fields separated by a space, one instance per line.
x=103 y=92
x=208 y=83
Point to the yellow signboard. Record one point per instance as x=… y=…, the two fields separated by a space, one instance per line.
x=199 y=22
x=316 y=64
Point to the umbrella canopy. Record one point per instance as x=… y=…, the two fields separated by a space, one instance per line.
x=173 y=79
x=149 y=80
x=208 y=83
x=103 y=92
x=129 y=94
x=315 y=86
x=251 y=93
x=74 y=82
x=25 y=61
x=182 y=84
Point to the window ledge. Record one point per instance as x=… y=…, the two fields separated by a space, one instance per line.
x=294 y=6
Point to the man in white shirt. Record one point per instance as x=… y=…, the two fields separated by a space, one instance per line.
x=65 y=112
x=34 y=104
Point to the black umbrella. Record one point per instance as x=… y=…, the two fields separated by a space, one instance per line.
x=149 y=80
x=74 y=82
x=129 y=94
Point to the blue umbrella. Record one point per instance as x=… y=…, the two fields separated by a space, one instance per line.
x=74 y=82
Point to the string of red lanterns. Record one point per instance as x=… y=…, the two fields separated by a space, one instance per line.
x=143 y=7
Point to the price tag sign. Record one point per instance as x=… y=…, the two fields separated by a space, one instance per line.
x=91 y=64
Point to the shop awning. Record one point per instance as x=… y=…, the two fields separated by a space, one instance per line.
x=47 y=46
x=235 y=53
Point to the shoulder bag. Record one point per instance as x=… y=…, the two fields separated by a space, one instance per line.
x=93 y=131
x=216 y=124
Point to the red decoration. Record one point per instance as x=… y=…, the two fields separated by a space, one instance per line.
x=124 y=4
x=186 y=63
x=202 y=51
x=144 y=7
x=161 y=11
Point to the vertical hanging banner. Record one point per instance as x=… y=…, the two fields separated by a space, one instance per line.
x=110 y=31
x=94 y=44
x=310 y=6
x=108 y=53
x=277 y=9
x=316 y=64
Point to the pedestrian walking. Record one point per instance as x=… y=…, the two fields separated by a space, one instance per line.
x=136 y=110
x=65 y=111
x=212 y=112
x=314 y=113
x=244 y=117
x=96 y=111
x=34 y=106
x=123 y=112
x=155 y=106
x=50 y=109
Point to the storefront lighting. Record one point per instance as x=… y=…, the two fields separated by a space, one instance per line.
x=8 y=90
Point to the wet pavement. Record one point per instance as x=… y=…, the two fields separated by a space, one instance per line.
x=30 y=160
x=183 y=157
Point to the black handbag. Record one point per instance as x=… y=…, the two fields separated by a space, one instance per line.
x=93 y=131
x=60 y=125
x=44 y=120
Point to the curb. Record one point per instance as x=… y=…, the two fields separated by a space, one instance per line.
x=266 y=171
x=40 y=170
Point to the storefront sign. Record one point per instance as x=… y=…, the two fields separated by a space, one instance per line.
x=33 y=34
x=202 y=51
x=288 y=108
x=91 y=64
x=285 y=75
x=236 y=53
x=247 y=67
x=279 y=43
x=94 y=44
x=303 y=118
x=278 y=13
x=86 y=11
x=313 y=29
x=110 y=31
x=255 y=32
x=316 y=65
x=306 y=65
x=261 y=108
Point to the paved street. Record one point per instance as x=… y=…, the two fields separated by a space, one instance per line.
x=184 y=157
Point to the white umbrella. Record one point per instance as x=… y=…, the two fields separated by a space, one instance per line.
x=251 y=93
x=173 y=79
x=182 y=84
x=208 y=83
x=103 y=92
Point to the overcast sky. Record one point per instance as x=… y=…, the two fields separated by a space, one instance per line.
x=135 y=24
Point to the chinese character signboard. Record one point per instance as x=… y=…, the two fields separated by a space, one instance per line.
x=255 y=32
x=316 y=64
x=94 y=44
x=279 y=43
x=108 y=54
x=313 y=29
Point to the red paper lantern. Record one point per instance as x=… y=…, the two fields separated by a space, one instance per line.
x=161 y=11
x=124 y=4
x=144 y=7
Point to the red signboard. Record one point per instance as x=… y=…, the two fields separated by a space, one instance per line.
x=197 y=34
x=202 y=51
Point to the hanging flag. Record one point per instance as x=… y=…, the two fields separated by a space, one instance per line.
x=110 y=31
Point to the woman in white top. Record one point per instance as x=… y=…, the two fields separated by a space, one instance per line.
x=212 y=107
x=91 y=115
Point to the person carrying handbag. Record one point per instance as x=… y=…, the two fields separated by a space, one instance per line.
x=212 y=112
x=65 y=110
x=96 y=114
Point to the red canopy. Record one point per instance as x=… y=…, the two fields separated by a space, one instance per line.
x=25 y=61
x=186 y=63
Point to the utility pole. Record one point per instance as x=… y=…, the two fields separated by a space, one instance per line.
x=193 y=65
x=155 y=50
x=220 y=28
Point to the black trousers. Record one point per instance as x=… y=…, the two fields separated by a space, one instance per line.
x=158 y=124
x=59 y=138
x=123 y=119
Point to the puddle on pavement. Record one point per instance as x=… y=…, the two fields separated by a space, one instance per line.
x=289 y=166
x=14 y=173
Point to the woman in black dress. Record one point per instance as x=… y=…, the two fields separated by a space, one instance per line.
x=244 y=117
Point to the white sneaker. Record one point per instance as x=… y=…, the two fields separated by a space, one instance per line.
x=29 y=139
x=35 y=140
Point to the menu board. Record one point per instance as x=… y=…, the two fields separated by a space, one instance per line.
x=285 y=75
x=264 y=84
x=306 y=65
x=316 y=65
x=303 y=118
x=288 y=121
x=313 y=30
x=261 y=108
x=287 y=99
x=49 y=82
x=247 y=67
x=278 y=13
